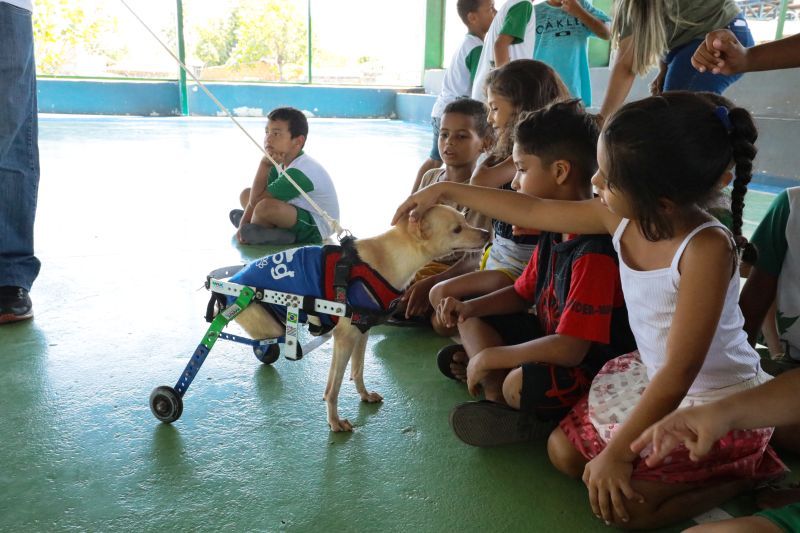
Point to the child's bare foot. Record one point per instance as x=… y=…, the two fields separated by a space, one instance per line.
x=452 y=361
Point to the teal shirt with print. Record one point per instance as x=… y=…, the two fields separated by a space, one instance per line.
x=562 y=41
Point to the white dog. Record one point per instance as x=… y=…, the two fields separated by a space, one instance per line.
x=396 y=256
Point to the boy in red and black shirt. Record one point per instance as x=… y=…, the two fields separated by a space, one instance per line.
x=534 y=366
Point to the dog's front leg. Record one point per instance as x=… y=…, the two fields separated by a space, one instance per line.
x=357 y=371
x=345 y=337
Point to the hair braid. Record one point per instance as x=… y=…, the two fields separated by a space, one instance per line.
x=743 y=137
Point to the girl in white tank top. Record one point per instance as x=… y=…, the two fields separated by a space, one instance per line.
x=661 y=160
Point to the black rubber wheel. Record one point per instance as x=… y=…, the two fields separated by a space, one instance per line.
x=267 y=354
x=165 y=404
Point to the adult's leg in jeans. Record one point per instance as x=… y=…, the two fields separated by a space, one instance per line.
x=19 y=150
x=682 y=76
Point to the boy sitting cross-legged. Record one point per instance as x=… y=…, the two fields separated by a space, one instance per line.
x=534 y=367
x=273 y=210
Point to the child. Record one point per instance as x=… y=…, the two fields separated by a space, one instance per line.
x=477 y=16
x=542 y=363
x=563 y=28
x=699 y=428
x=522 y=85
x=464 y=135
x=659 y=159
x=511 y=36
x=775 y=276
x=274 y=212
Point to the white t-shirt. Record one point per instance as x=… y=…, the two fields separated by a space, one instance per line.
x=24 y=4
x=457 y=82
x=324 y=193
x=515 y=18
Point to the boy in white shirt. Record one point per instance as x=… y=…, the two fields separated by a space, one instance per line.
x=477 y=16
x=511 y=36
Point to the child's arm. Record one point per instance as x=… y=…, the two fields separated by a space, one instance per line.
x=503 y=301
x=722 y=53
x=621 y=80
x=585 y=217
x=501 y=53
x=705 y=273
x=775 y=403
x=755 y=300
x=494 y=176
x=417 y=295
x=258 y=191
x=595 y=25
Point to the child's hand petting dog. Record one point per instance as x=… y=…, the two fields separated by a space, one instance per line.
x=451 y=311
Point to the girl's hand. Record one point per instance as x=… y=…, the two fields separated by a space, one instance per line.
x=697 y=428
x=451 y=311
x=720 y=53
x=475 y=374
x=608 y=479
x=416 y=297
x=418 y=203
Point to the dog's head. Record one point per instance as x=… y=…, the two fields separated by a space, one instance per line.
x=443 y=230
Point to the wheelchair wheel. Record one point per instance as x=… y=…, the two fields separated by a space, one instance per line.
x=267 y=354
x=165 y=404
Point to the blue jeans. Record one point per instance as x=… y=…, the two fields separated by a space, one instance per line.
x=19 y=148
x=682 y=76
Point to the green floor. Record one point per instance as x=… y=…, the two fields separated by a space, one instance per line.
x=132 y=215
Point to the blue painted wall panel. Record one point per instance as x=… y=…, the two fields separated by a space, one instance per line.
x=258 y=100
x=413 y=107
x=111 y=97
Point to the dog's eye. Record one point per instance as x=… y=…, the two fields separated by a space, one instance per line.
x=457 y=230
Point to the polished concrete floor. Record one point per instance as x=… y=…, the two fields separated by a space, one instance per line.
x=132 y=215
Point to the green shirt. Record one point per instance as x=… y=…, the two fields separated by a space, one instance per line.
x=516 y=21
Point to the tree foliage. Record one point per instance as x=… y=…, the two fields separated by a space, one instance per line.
x=62 y=29
x=273 y=31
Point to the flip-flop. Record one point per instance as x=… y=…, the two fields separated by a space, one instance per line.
x=445 y=358
x=235 y=216
x=486 y=423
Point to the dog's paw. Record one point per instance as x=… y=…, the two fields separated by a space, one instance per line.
x=371 y=397
x=340 y=425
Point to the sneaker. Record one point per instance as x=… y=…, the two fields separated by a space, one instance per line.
x=15 y=305
x=235 y=216
x=486 y=423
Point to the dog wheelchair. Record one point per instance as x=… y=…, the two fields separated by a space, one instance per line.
x=166 y=403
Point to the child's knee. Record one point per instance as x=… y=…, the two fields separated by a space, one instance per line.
x=512 y=388
x=438 y=293
x=244 y=197
x=563 y=454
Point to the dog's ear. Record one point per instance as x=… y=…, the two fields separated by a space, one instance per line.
x=420 y=229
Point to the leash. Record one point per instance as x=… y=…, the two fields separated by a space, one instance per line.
x=338 y=230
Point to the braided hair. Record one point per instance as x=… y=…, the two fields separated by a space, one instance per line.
x=677 y=147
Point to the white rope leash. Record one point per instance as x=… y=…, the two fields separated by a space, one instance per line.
x=338 y=230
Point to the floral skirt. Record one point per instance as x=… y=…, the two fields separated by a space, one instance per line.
x=614 y=393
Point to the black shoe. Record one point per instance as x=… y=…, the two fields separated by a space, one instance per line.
x=235 y=217
x=488 y=423
x=15 y=305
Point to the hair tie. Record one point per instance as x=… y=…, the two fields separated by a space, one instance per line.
x=722 y=115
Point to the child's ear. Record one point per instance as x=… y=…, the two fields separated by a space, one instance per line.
x=666 y=205
x=725 y=179
x=561 y=169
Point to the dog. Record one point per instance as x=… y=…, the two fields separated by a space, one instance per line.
x=395 y=255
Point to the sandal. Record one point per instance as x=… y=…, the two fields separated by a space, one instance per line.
x=486 y=423
x=445 y=358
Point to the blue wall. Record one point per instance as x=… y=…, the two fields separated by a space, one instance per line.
x=147 y=98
